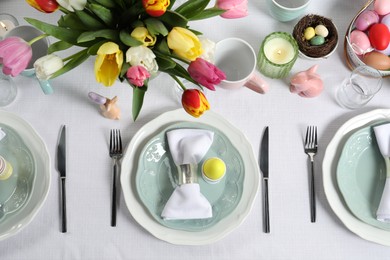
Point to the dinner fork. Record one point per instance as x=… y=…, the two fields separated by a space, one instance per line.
x=116 y=155
x=311 y=146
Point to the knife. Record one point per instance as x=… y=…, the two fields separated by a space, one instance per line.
x=264 y=169
x=61 y=167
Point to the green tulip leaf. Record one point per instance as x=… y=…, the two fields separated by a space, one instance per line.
x=64 y=34
x=103 y=13
x=162 y=47
x=128 y=40
x=59 y=46
x=75 y=61
x=156 y=27
x=89 y=20
x=124 y=69
x=207 y=13
x=165 y=63
x=107 y=3
x=174 y=19
x=72 y=21
x=138 y=100
x=106 y=34
x=190 y=8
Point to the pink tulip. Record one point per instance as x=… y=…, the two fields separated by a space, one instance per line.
x=205 y=73
x=234 y=8
x=15 y=55
x=137 y=75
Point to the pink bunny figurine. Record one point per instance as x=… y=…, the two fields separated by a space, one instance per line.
x=307 y=83
x=108 y=106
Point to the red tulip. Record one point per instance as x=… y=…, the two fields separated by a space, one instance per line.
x=45 y=6
x=15 y=55
x=194 y=102
x=205 y=73
x=155 y=8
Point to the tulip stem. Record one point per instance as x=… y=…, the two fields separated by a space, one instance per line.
x=179 y=82
x=37 y=38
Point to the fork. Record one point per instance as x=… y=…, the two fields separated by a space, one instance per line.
x=116 y=155
x=311 y=147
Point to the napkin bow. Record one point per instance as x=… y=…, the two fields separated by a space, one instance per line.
x=382 y=134
x=188 y=147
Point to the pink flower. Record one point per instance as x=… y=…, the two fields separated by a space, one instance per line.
x=15 y=55
x=234 y=8
x=137 y=75
x=205 y=73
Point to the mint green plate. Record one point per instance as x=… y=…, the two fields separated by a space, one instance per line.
x=15 y=191
x=361 y=176
x=156 y=178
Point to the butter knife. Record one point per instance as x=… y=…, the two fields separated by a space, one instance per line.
x=263 y=162
x=61 y=167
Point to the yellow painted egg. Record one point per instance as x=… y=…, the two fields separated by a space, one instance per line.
x=309 y=33
x=5 y=169
x=213 y=169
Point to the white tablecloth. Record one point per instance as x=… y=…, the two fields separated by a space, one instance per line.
x=292 y=235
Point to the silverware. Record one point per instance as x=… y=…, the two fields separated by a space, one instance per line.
x=264 y=169
x=61 y=167
x=116 y=155
x=311 y=147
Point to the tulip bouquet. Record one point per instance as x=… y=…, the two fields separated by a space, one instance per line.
x=132 y=41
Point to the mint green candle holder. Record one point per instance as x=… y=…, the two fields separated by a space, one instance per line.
x=277 y=55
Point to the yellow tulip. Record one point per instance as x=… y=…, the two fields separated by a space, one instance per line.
x=184 y=43
x=108 y=63
x=142 y=34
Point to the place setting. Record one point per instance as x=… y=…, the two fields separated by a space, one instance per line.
x=190 y=176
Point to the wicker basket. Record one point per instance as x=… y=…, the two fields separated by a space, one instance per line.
x=311 y=51
x=351 y=58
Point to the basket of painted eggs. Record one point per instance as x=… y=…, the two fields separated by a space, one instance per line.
x=316 y=36
x=368 y=37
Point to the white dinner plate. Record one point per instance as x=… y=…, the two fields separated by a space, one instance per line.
x=329 y=169
x=12 y=225
x=141 y=213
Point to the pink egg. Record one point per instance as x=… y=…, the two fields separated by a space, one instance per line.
x=382 y=7
x=379 y=36
x=366 y=19
x=360 y=42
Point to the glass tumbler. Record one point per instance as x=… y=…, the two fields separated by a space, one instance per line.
x=359 y=88
x=8 y=90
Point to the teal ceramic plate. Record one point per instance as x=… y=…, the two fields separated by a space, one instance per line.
x=15 y=191
x=361 y=175
x=24 y=194
x=156 y=178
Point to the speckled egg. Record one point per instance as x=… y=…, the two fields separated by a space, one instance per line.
x=321 y=30
x=317 y=40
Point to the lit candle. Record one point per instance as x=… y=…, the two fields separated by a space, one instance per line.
x=277 y=55
x=7 y=23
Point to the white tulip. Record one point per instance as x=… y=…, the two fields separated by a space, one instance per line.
x=47 y=65
x=208 y=47
x=72 y=5
x=143 y=56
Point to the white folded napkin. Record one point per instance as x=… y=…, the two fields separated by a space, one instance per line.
x=2 y=134
x=188 y=147
x=382 y=134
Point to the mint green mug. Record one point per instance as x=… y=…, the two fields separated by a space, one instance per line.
x=287 y=10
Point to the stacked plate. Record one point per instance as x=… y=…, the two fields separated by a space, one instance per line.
x=149 y=177
x=23 y=193
x=354 y=175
